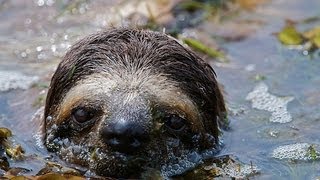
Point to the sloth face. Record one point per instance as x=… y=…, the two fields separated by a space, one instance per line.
x=124 y=101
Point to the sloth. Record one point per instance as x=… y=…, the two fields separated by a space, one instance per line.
x=123 y=101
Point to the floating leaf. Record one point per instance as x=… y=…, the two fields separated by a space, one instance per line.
x=15 y=153
x=310 y=34
x=316 y=41
x=55 y=176
x=312 y=152
x=5 y=132
x=199 y=46
x=259 y=77
x=224 y=167
x=250 y=4
x=290 y=36
x=192 y=5
x=310 y=19
x=49 y=176
x=18 y=178
x=52 y=167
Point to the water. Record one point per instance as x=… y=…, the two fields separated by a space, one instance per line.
x=274 y=132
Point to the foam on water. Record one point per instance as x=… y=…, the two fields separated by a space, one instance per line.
x=240 y=171
x=188 y=159
x=261 y=99
x=297 y=151
x=182 y=163
x=15 y=80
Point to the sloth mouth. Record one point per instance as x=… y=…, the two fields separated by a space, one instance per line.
x=121 y=165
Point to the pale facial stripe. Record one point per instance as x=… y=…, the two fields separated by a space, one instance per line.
x=164 y=91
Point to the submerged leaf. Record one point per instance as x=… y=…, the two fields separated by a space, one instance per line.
x=224 y=167
x=290 y=36
x=5 y=132
x=4 y=164
x=55 y=176
x=52 y=167
x=15 y=153
x=199 y=46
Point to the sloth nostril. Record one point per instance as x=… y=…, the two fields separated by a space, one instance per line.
x=124 y=137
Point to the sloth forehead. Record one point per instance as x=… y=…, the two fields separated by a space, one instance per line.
x=107 y=87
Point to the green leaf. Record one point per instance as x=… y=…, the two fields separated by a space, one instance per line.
x=5 y=132
x=310 y=34
x=290 y=36
x=199 y=46
x=316 y=41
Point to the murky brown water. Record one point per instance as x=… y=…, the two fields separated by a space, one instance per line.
x=35 y=34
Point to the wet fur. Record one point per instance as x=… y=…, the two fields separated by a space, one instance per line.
x=130 y=55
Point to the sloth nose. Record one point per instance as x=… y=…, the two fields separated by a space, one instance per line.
x=124 y=137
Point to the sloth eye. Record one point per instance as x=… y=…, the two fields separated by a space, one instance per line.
x=175 y=122
x=82 y=115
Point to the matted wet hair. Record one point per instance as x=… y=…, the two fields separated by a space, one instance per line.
x=157 y=51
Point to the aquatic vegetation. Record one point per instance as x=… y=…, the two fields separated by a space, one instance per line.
x=297 y=151
x=12 y=150
x=290 y=36
x=39 y=101
x=45 y=176
x=313 y=35
x=4 y=133
x=309 y=39
x=250 y=4
x=16 y=152
x=259 y=77
x=199 y=46
x=222 y=167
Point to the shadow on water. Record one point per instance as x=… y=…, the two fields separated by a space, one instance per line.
x=34 y=35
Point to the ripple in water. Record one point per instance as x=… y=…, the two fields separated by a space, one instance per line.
x=14 y=80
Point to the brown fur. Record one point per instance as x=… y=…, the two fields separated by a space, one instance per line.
x=139 y=69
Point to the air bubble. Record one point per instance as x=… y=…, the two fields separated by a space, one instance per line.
x=49 y=118
x=39 y=48
x=194 y=157
x=23 y=54
x=53 y=48
x=261 y=99
x=297 y=151
x=173 y=142
x=238 y=171
x=40 y=2
x=66 y=142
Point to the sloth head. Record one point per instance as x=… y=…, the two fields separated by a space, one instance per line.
x=125 y=100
